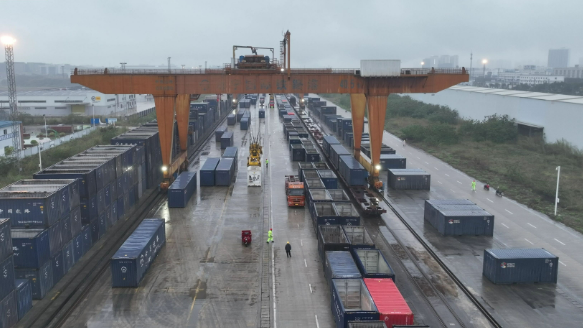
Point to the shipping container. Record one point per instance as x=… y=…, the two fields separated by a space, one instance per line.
x=358 y=237
x=68 y=256
x=297 y=152
x=351 y=301
x=310 y=174
x=87 y=240
x=86 y=178
x=331 y=238
x=130 y=263
x=23 y=296
x=41 y=279
x=219 y=133
x=227 y=139
x=369 y=324
x=340 y=265
x=318 y=196
x=347 y=214
x=313 y=183
x=182 y=189
x=5 y=242
x=312 y=155
x=338 y=195
x=353 y=173
x=68 y=189
x=336 y=151
x=327 y=141
x=95 y=235
x=76 y=221
x=261 y=113
x=231 y=119
x=458 y=220
x=392 y=307
x=409 y=179
x=392 y=161
x=328 y=178
x=31 y=247
x=7 y=276
x=207 y=171
x=380 y=67
x=77 y=247
x=89 y=209
x=9 y=309
x=55 y=239
x=58 y=269
x=372 y=263
x=513 y=266
x=65 y=226
x=225 y=172
x=302 y=167
x=30 y=209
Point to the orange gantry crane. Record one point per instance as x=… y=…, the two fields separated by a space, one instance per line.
x=172 y=88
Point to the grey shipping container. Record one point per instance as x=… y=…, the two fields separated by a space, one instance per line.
x=127 y=267
x=261 y=113
x=511 y=266
x=302 y=167
x=351 y=301
x=392 y=161
x=41 y=279
x=358 y=237
x=460 y=220
x=231 y=119
x=31 y=247
x=207 y=171
x=372 y=264
x=227 y=139
x=23 y=296
x=219 y=133
x=338 y=195
x=225 y=172
x=5 y=241
x=340 y=265
x=353 y=173
x=318 y=196
x=409 y=179
x=331 y=238
x=245 y=122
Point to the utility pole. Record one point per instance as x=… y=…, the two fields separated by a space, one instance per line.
x=471 y=62
x=13 y=103
x=169 y=64
x=557 y=193
x=123 y=66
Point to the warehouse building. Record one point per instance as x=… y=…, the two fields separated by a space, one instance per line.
x=557 y=116
x=65 y=102
x=7 y=133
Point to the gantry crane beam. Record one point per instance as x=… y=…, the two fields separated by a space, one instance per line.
x=170 y=87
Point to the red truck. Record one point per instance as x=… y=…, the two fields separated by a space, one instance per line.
x=294 y=190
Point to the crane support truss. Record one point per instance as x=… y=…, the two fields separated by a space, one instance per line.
x=13 y=103
x=169 y=87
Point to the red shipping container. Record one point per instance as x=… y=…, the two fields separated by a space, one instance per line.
x=390 y=303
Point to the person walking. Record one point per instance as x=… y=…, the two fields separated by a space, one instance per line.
x=270 y=236
x=288 y=249
x=266 y=163
x=404 y=142
x=474 y=185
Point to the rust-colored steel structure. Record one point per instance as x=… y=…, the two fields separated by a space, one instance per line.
x=172 y=88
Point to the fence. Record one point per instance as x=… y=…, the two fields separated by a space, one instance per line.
x=53 y=143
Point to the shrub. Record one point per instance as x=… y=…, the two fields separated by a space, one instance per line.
x=34 y=142
x=434 y=134
x=495 y=128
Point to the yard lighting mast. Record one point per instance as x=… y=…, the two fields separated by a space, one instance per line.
x=8 y=42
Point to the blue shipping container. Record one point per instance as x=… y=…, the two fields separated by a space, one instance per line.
x=58 y=270
x=23 y=296
x=86 y=182
x=351 y=301
x=231 y=119
x=219 y=133
x=225 y=172
x=7 y=276
x=31 y=247
x=9 y=309
x=95 y=236
x=128 y=265
x=55 y=239
x=327 y=141
x=68 y=257
x=89 y=210
x=328 y=178
x=353 y=173
x=511 y=266
x=65 y=230
x=76 y=222
x=77 y=247
x=5 y=241
x=87 y=240
x=62 y=189
x=227 y=139
x=207 y=171
x=392 y=161
x=30 y=209
x=41 y=279
x=182 y=189
x=335 y=152
x=340 y=265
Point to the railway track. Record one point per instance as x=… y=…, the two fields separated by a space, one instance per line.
x=403 y=249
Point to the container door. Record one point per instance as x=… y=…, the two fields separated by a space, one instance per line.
x=548 y=270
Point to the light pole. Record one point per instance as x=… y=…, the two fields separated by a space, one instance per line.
x=484 y=61
x=40 y=160
x=46 y=130
x=557 y=193
x=422 y=63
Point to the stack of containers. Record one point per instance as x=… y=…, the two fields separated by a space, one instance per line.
x=182 y=189
x=133 y=259
x=225 y=172
x=458 y=217
x=327 y=142
x=232 y=152
x=150 y=140
x=8 y=292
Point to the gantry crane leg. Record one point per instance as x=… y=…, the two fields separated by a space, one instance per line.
x=377 y=109
x=358 y=106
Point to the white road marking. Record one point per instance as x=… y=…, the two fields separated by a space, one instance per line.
x=562 y=263
x=506 y=226
x=417 y=157
x=560 y=242
x=529 y=241
x=311 y=291
x=436 y=168
x=426 y=163
x=508 y=211
x=306 y=263
x=439 y=182
x=531 y=225
x=317 y=324
x=301 y=243
x=491 y=201
x=298 y=225
x=452 y=190
x=446 y=174
x=458 y=182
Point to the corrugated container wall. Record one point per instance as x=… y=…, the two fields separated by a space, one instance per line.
x=510 y=266
x=351 y=301
x=372 y=264
x=392 y=307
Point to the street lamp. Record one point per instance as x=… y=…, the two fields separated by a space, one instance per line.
x=558 y=168
x=46 y=130
x=422 y=63
x=7 y=40
x=484 y=61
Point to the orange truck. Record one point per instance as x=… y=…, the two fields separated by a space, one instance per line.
x=294 y=190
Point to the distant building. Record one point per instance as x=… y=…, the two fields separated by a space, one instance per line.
x=558 y=58
x=530 y=79
x=581 y=62
x=7 y=133
x=65 y=102
x=443 y=61
x=570 y=72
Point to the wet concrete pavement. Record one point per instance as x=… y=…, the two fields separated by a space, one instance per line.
x=516 y=226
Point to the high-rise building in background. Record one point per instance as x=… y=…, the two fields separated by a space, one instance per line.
x=558 y=58
x=443 y=61
x=581 y=62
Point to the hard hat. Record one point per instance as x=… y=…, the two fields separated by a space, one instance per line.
x=288 y=242
x=270 y=229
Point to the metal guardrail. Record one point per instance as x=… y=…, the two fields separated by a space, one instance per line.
x=120 y=71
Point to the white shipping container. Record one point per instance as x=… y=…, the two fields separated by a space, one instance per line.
x=381 y=67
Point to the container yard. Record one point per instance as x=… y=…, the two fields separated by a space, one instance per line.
x=181 y=252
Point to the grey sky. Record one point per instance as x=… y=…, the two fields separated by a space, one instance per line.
x=324 y=33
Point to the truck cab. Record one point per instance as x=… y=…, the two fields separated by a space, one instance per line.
x=294 y=190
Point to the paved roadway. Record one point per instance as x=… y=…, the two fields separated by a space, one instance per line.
x=516 y=226
x=204 y=276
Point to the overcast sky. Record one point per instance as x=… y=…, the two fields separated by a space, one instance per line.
x=323 y=33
